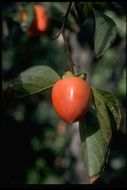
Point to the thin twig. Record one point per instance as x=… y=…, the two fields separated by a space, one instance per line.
x=64 y=21
x=66 y=16
x=62 y=31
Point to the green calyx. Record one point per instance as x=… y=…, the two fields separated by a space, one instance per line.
x=69 y=74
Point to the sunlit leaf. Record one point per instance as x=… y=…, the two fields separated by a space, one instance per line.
x=35 y=79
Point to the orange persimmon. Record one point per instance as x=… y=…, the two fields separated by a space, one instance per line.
x=40 y=22
x=71 y=98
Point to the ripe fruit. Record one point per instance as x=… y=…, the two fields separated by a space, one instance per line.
x=71 y=98
x=40 y=22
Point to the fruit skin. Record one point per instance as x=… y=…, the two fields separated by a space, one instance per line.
x=71 y=98
x=40 y=23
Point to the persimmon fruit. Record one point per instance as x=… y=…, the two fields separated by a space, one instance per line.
x=71 y=98
x=40 y=22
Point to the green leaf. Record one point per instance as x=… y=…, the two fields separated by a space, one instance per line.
x=83 y=9
x=35 y=79
x=95 y=146
x=113 y=106
x=87 y=7
x=105 y=32
x=102 y=114
x=96 y=133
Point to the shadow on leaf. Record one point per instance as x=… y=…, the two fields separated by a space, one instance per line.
x=89 y=125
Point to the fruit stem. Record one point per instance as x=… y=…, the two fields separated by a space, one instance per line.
x=68 y=52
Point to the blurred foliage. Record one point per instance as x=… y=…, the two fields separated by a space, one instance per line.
x=34 y=140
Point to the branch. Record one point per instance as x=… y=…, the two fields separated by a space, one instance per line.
x=64 y=21
x=62 y=31
x=68 y=52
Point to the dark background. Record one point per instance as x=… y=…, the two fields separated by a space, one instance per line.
x=35 y=144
